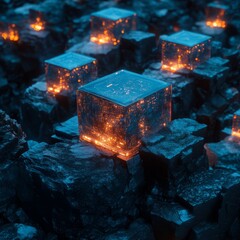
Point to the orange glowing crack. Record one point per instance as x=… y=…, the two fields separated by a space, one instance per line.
x=236 y=134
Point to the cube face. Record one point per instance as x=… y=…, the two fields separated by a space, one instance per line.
x=184 y=50
x=236 y=124
x=108 y=26
x=216 y=15
x=68 y=72
x=116 y=111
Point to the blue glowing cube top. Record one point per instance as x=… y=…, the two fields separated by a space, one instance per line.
x=117 y=110
x=68 y=72
x=70 y=60
x=113 y=13
x=186 y=38
x=218 y=5
x=124 y=87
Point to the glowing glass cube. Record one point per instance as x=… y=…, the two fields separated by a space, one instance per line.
x=236 y=124
x=216 y=15
x=116 y=111
x=108 y=26
x=69 y=71
x=184 y=50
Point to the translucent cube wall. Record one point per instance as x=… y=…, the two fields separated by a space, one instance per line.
x=108 y=26
x=216 y=15
x=116 y=111
x=184 y=50
x=69 y=71
x=236 y=124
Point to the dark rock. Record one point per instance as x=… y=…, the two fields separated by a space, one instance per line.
x=61 y=184
x=137 y=230
x=40 y=111
x=19 y=232
x=182 y=90
x=171 y=155
x=205 y=231
x=108 y=56
x=171 y=221
x=224 y=154
x=202 y=192
x=12 y=138
x=210 y=77
x=68 y=129
x=137 y=48
x=188 y=125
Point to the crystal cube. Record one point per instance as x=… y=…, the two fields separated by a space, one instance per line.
x=69 y=71
x=184 y=50
x=108 y=26
x=236 y=124
x=216 y=15
x=116 y=111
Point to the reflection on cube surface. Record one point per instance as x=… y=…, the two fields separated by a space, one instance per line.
x=236 y=124
x=108 y=26
x=184 y=50
x=116 y=111
x=216 y=15
x=69 y=71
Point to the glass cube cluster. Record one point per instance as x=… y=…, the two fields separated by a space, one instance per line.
x=108 y=26
x=184 y=50
x=216 y=15
x=236 y=124
x=117 y=110
x=68 y=72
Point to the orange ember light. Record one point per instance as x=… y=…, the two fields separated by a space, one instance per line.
x=11 y=34
x=236 y=124
x=108 y=26
x=216 y=24
x=184 y=50
x=38 y=25
x=216 y=15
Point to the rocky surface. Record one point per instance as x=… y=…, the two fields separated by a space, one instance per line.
x=72 y=178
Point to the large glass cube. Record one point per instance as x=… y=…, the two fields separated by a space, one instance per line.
x=184 y=50
x=116 y=111
x=108 y=26
x=216 y=15
x=69 y=71
x=236 y=124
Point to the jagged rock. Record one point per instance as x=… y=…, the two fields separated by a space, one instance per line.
x=171 y=221
x=69 y=186
x=68 y=129
x=12 y=138
x=108 y=56
x=182 y=90
x=201 y=194
x=19 y=232
x=205 y=230
x=137 y=48
x=224 y=154
x=172 y=154
x=137 y=230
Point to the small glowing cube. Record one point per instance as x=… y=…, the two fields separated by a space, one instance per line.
x=236 y=124
x=116 y=111
x=68 y=72
x=108 y=26
x=184 y=50
x=216 y=15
